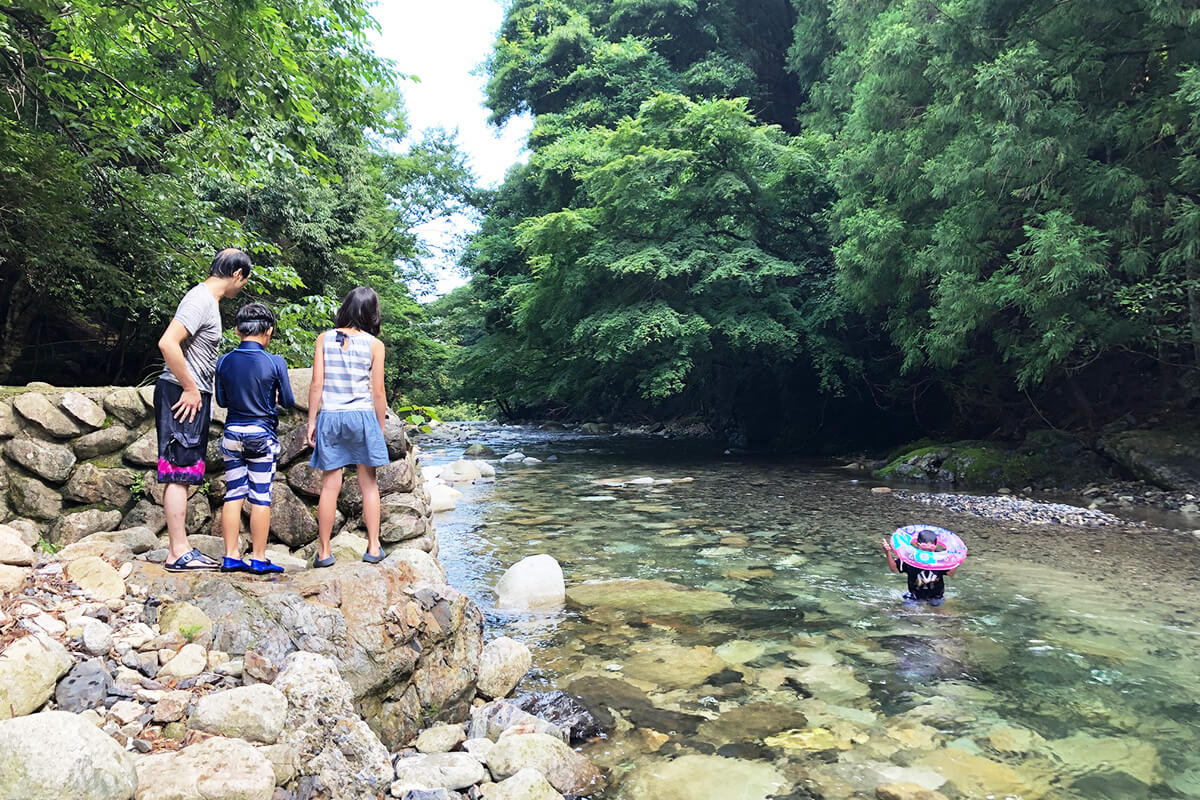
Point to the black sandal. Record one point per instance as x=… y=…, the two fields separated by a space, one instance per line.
x=191 y=561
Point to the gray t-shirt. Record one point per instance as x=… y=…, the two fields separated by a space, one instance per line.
x=199 y=313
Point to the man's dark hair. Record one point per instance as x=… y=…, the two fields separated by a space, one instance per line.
x=254 y=319
x=927 y=537
x=229 y=261
x=360 y=310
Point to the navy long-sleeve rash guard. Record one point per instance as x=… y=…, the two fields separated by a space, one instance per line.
x=249 y=381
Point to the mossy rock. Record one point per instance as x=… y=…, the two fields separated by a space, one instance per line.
x=967 y=463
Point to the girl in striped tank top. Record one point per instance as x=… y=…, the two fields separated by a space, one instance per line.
x=346 y=411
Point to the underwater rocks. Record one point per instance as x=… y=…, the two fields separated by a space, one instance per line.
x=706 y=777
x=653 y=596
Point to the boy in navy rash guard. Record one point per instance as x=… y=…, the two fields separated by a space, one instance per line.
x=250 y=382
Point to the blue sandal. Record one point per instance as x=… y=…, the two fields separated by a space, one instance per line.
x=191 y=561
x=234 y=565
x=264 y=567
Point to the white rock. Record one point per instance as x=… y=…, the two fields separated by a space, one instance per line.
x=254 y=713
x=189 y=662
x=528 y=784
x=56 y=755
x=12 y=578
x=97 y=578
x=439 y=771
x=530 y=460
x=126 y=711
x=13 y=550
x=533 y=583
x=502 y=665
x=29 y=669
x=440 y=738
x=215 y=769
x=460 y=472
x=485 y=469
x=512 y=457
x=443 y=498
x=97 y=637
x=567 y=771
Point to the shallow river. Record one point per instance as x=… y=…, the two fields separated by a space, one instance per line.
x=1064 y=664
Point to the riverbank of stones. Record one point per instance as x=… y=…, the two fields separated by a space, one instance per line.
x=1018 y=510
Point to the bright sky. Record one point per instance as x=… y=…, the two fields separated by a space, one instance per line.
x=444 y=43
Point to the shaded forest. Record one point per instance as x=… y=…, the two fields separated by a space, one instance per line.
x=825 y=221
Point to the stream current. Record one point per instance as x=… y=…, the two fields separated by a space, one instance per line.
x=757 y=646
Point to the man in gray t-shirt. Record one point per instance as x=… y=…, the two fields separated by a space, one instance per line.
x=183 y=396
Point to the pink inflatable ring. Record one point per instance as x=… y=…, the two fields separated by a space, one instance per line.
x=950 y=553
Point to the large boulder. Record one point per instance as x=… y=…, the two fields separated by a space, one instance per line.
x=566 y=712
x=461 y=471
x=58 y=755
x=91 y=485
x=528 y=784
x=127 y=405
x=254 y=713
x=105 y=549
x=145 y=514
x=32 y=498
x=396 y=436
x=9 y=427
x=301 y=380
x=567 y=771
x=29 y=669
x=215 y=769
x=502 y=665
x=533 y=583
x=491 y=720
x=399 y=476
x=139 y=540
x=292 y=520
x=83 y=409
x=37 y=410
x=292 y=445
x=1166 y=457
x=305 y=479
x=47 y=460
x=408 y=646
x=351 y=764
x=101 y=442
x=443 y=497
x=70 y=528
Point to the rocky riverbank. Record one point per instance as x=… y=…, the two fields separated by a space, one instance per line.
x=120 y=680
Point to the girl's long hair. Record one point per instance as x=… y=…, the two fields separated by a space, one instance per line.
x=360 y=310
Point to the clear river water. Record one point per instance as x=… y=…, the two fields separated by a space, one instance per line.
x=757 y=646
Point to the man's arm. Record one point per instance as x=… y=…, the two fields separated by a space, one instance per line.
x=170 y=344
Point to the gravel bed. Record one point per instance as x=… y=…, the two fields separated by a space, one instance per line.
x=1016 y=509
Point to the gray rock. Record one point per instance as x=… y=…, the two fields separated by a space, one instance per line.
x=394 y=433
x=353 y=763
x=29 y=531
x=144 y=451
x=292 y=520
x=439 y=770
x=9 y=426
x=138 y=540
x=97 y=637
x=1166 y=457
x=91 y=485
x=32 y=498
x=29 y=669
x=403 y=517
x=305 y=479
x=37 y=410
x=441 y=738
x=398 y=476
x=13 y=550
x=254 y=713
x=567 y=771
x=57 y=755
x=47 y=460
x=84 y=687
x=101 y=442
x=301 y=381
x=565 y=711
x=292 y=445
x=502 y=665
x=145 y=514
x=127 y=405
x=491 y=720
x=479 y=451
x=70 y=528
x=199 y=514
x=215 y=769
x=83 y=409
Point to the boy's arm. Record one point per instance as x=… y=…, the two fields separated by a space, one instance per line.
x=891 y=556
x=286 y=398
x=378 y=395
x=219 y=384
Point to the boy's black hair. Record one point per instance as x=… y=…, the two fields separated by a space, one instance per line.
x=360 y=310
x=254 y=319
x=229 y=261
x=927 y=537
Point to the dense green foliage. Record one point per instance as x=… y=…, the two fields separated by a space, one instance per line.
x=136 y=139
x=969 y=212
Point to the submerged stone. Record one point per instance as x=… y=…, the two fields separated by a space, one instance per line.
x=701 y=777
x=658 y=597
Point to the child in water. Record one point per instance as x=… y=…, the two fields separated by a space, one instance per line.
x=923 y=584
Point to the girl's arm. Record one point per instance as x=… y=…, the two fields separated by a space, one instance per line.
x=314 y=390
x=378 y=396
x=891 y=556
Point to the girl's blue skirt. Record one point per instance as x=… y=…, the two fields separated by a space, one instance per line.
x=346 y=438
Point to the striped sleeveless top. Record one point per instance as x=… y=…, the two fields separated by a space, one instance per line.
x=347 y=384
